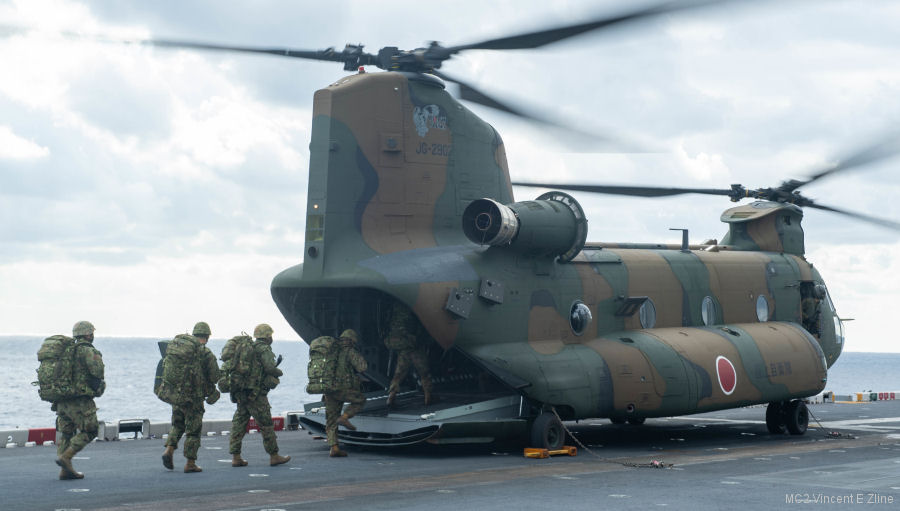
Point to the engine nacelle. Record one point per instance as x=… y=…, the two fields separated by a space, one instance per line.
x=551 y=225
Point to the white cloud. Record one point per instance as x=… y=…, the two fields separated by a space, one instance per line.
x=135 y=171
x=703 y=167
x=15 y=147
x=160 y=296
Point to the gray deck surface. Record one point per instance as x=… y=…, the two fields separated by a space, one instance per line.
x=721 y=460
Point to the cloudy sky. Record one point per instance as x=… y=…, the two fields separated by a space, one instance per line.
x=145 y=189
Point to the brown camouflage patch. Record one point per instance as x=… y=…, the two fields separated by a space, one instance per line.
x=429 y=308
x=736 y=279
x=650 y=275
x=631 y=374
x=789 y=357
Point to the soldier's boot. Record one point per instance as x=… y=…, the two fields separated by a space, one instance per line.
x=275 y=459
x=237 y=461
x=167 y=457
x=343 y=420
x=65 y=462
x=336 y=452
x=191 y=466
x=391 y=397
x=63 y=475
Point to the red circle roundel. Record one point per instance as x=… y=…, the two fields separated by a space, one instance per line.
x=727 y=375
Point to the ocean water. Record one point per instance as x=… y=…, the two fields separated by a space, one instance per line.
x=130 y=371
x=131 y=367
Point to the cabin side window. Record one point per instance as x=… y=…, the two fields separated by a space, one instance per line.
x=708 y=311
x=648 y=314
x=762 y=308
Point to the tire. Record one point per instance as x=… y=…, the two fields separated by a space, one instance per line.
x=547 y=432
x=617 y=420
x=796 y=417
x=636 y=421
x=775 y=418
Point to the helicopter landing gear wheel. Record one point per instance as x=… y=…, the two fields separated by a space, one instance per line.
x=796 y=417
x=617 y=420
x=547 y=432
x=775 y=418
x=636 y=421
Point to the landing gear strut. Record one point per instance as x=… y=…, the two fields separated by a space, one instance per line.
x=792 y=416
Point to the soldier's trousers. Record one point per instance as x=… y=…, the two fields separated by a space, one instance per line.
x=76 y=420
x=187 y=420
x=417 y=358
x=256 y=406
x=334 y=402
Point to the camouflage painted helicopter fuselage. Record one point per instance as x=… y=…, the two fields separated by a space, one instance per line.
x=395 y=162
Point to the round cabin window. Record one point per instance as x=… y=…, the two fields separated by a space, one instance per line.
x=580 y=317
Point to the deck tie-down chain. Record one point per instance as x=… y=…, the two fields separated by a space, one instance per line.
x=651 y=464
x=830 y=434
x=659 y=464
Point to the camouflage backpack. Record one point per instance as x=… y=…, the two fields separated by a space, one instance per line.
x=402 y=329
x=238 y=359
x=56 y=370
x=182 y=375
x=159 y=366
x=323 y=357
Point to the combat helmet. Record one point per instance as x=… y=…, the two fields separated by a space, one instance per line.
x=350 y=334
x=262 y=331
x=202 y=328
x=82 y=329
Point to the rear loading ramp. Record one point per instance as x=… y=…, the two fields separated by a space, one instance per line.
x=450 y=419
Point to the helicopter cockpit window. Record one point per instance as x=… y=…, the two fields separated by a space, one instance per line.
x=708 y=311
x=648 y=314
x=838 y=324
x=762 y=308
x=580 y=317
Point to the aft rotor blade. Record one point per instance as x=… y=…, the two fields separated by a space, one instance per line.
x=351 y=55
x=890 y=224
x=881 y=150
x=541 y=38
x=637 y=191
x=328 y=54
x=469 y=92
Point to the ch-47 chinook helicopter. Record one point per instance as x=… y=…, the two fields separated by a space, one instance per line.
x=526 y=324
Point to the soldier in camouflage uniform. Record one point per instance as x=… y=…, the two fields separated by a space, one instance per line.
x=403 y=337
x=254 y=402
x=187 y=419
x=810 y=314
x=345 y=389
x=79 y=414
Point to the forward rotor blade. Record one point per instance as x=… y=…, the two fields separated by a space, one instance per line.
x=541 y=38
x=890 y=224
x=637 y=191
x=883 y=149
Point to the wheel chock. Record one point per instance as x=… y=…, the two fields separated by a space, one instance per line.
x=535 y=452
